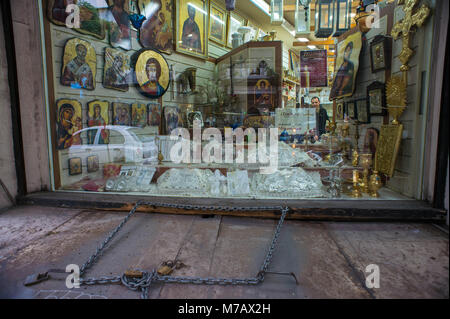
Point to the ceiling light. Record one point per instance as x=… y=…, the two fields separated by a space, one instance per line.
x=312 y=47
x=303 y=39
x=264 y=6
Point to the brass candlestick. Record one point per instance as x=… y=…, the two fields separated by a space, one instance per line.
x=356 y=192
x=355 y=157
x=160 y=155
x=366 y=162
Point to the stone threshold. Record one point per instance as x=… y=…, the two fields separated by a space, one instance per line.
x=331 y=210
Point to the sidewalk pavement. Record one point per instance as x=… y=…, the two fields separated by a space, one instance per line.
x=329 y=259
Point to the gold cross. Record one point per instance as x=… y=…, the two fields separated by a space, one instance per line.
x=413 y=18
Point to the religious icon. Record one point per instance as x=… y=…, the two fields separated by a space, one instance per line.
x=172 y=118
x=121 y=113
x=119 y=24
x=294 y=63
x=263 y=93
x=92 y=163
x=117 y=71
x=217 y=23
x=350 y=109
x=56 y=11
x=348 y=64
x=371 y=141
x=363 y=111
x=340 y=111
x=98 y=115
x=68 y=122
x=152 y=73
x=156 y=31
x=192 y=18
x=75 y=166
x=138 y=114
x=195 y=116
x=154 y=114
x=91 y=21
x=376 y=97
x=380 y=53
x=79 y=65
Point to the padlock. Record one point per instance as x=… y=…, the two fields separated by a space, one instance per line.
x=165 y=270
x=134 y=273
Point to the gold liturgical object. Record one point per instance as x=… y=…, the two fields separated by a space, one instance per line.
x=390 y=135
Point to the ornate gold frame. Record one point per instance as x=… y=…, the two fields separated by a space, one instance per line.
x=387 y=149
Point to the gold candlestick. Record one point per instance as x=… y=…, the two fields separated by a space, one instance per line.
x=356 y=192
x=366 y=162
x=355 y=157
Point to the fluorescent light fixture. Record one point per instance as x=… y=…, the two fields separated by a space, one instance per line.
x=312 y=47
x=353 y=15
x=264 y=6
x=288 y=27
x=303 y=39
x=235 y=21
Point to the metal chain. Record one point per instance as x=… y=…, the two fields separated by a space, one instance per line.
x=91 y=260
x=143 y=283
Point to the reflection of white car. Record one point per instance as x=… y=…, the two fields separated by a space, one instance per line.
x=114 y=144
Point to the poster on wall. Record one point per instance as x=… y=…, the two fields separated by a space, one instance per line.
x=347 y=64
x=79 y=65
x=119 y=24
x=68 y=122
x=192 y=27
x=152 y=73
x=117 y=71
x=313 y=68
x=156 y=31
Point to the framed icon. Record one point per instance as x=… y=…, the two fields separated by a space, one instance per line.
x=121 y=114
x=363 y=111
x=75 y=166
x=350 y=109
x=217 y=23
x=376 y=98
x=92 y=164
x=380 y=53
x=340 y=110
x=138 y=115
x=192 y=27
